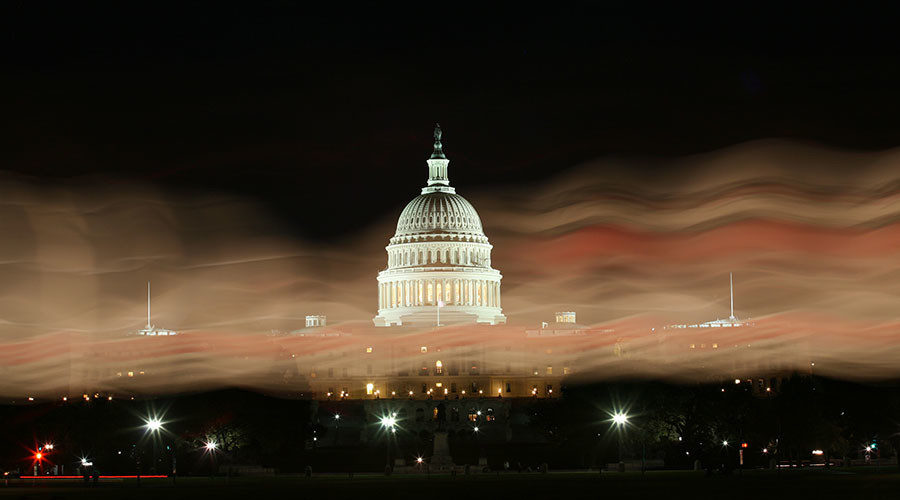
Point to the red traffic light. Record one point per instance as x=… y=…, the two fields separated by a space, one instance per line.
x=744 y=445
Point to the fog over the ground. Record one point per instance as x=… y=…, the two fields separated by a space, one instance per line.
x=812 y=236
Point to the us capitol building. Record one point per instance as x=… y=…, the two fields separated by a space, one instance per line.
x=439 y=260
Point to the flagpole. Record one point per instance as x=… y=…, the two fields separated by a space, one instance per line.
x=731 y=286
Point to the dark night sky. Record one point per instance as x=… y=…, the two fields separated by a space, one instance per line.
x=291 y=104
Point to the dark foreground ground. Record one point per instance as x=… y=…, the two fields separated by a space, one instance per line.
x=819 y=484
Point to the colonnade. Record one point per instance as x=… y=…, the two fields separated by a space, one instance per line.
x=451 y=291
x=460 y=255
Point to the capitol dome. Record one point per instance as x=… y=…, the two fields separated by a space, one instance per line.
x=439 y=259
x=439 y=212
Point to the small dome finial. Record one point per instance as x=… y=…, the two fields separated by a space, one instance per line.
x=438 y=151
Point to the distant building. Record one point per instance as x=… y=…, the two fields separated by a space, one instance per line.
x=315 y=321
x=565 y=317
x=150 y=330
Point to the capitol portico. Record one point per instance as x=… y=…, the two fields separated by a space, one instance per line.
x=439 y=259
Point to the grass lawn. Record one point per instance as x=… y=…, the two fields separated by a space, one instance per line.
x=854 y=484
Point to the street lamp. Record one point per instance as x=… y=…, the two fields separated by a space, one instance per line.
x=388 y=422
x=211 y=447
x=153 y=424
x=620 y=420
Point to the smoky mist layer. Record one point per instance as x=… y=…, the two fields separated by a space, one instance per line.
x=811 y=235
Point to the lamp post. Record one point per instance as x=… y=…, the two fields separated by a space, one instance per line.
x=211 y=446
x=337 y=420
x=389 y=424
x=154 y=426
x=620 y=419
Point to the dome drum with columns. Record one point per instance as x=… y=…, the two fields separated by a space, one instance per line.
x=439 y=255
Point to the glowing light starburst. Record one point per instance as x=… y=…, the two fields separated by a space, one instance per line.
x=153 y=424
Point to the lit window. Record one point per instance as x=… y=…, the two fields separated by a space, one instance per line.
x=130 y=374
x=549 y=370
x=424 y=349
x=715 y=346
x=369 y=350
x=439 y=384
x=693 y=346
x=370 y=388
x=438 y=368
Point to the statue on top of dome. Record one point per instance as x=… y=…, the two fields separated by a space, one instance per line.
x=438 y=148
